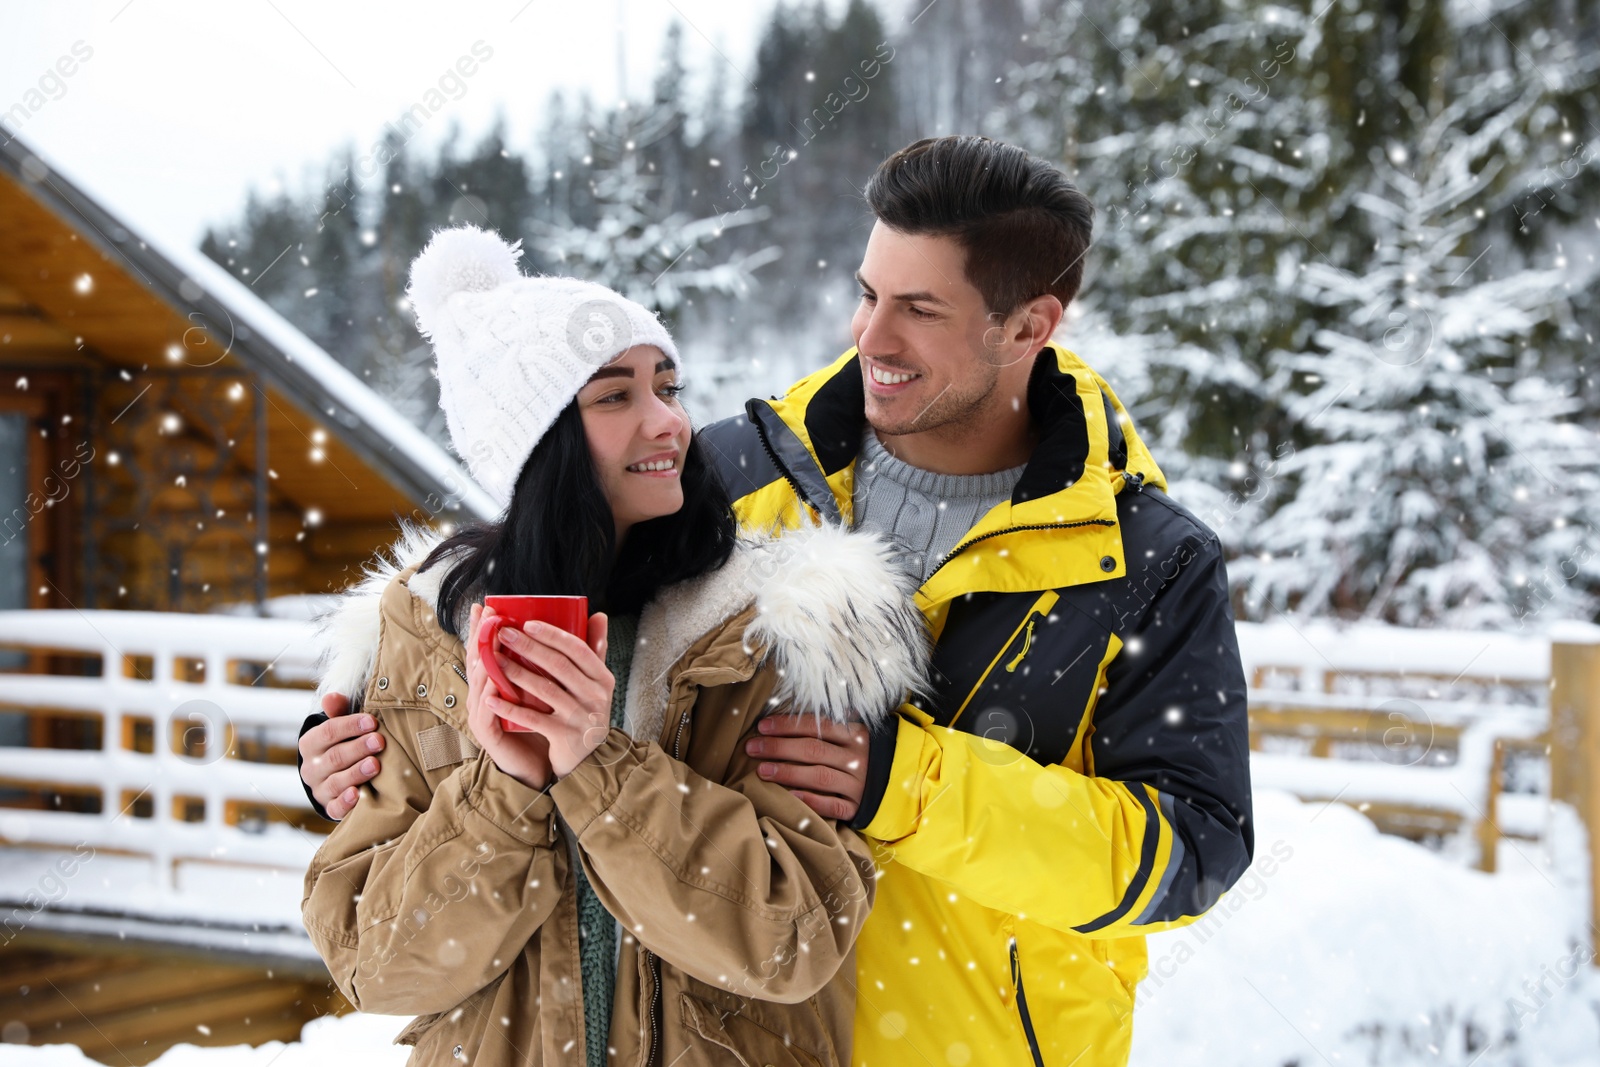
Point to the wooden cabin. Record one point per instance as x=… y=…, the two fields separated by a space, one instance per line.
x=177 y=465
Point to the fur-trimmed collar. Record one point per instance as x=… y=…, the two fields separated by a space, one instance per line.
x=347 y=634
x=834 y=614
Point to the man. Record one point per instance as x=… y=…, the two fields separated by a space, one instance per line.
x=1079 y=776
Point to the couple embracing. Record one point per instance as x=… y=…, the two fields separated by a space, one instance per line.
x=911 y=705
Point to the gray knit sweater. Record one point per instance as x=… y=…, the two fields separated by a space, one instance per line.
x=925 y=513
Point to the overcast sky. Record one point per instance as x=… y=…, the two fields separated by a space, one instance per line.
x=181 y=105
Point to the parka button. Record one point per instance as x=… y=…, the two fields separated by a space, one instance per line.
x=456 y=1052
x=1108 y=564
x=450 y=700
x=383 y=683
x=422 y=690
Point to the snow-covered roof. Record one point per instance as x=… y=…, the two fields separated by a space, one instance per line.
x=263 y=340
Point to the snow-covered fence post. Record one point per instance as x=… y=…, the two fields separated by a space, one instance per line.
x=162 y=796
x=1575 y=739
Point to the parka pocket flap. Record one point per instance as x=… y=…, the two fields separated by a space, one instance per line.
x=417 y=1027
x=751 y=1044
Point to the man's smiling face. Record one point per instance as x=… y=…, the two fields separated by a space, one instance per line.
x=923 y=331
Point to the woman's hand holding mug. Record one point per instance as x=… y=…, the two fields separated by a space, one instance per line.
x=524 y=756
x=571 y=678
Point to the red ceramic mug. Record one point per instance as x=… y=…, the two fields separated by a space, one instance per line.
x=569 y=613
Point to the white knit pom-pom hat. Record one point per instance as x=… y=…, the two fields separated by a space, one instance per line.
x=513 y=351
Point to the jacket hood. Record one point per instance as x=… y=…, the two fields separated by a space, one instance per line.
x=347 y=634
x=832 y=611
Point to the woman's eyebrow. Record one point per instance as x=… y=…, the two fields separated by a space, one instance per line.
x=627 y=372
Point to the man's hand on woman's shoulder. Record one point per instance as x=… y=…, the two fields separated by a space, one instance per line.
x=339 y=755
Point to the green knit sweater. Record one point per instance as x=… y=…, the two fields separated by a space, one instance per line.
x=597 y=930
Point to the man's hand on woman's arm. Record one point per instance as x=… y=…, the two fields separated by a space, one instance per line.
x=824 y=763
x=338 y=755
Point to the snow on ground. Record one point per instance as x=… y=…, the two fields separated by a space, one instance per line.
x=1343 y=946
x=343 y=1041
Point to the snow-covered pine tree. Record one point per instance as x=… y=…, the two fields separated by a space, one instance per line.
x=1192 y=127
x=1230 y=148
x=263 y=247
x=1446 y=482
x=303 y=255
x=405 y=215
x=822 y=110
x=1548 y=213
x=949 y=68
x=658 y=257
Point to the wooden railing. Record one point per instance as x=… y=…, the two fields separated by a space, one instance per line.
x=169 y=740
x=1418 y=729
x=163 y=745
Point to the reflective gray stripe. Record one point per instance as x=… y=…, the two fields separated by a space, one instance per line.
x=1174 y=861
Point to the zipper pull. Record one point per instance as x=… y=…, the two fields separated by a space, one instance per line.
x=1027 y=642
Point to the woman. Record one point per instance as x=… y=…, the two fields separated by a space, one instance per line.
x=614 y=882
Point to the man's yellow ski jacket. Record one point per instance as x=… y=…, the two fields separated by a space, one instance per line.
x=1079 y=775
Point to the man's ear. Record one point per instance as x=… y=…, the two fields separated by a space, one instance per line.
x=1025 y=331
x=1035 y=322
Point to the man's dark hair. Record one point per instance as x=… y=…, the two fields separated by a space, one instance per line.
x=1024 y=227
x=557 y=536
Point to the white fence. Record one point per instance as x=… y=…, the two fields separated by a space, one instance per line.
x=1416 y=727
x=183 y=812
x=201 y=817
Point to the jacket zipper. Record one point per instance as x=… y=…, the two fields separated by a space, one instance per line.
x=1024 y=628
x=1022 y=1008
x=1027 y=643
x=677 y=739
x=652 y=961
x=653 y=965
x=457 y=668
x=772 y=454
x=954 y=552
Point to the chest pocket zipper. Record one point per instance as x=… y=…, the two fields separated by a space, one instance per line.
x=1024 y=630
x=1027 y=643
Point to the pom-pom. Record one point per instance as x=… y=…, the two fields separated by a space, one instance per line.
x=459 y=260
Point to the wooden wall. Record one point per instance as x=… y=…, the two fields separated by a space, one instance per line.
x=125 y=1003
x=109 y=366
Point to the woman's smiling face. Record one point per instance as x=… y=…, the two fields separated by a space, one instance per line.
x=638 y=435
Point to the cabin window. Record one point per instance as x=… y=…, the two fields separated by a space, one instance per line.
x=14 y=471
x=14 y=553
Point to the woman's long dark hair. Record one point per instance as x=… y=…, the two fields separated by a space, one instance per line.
x=557 y=536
